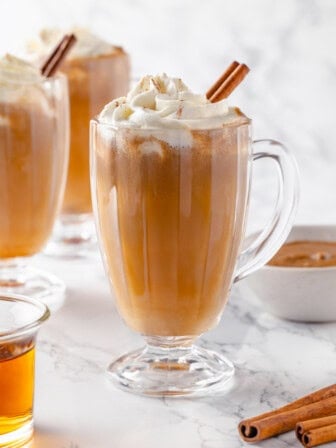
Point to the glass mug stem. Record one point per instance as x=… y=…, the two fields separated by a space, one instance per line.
x=74 y=236
x=13 y=272
x=17 y=276
x=171 y=366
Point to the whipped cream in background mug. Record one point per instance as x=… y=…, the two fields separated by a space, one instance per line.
x=21 y=81
x=88 y=44
x=13 y=68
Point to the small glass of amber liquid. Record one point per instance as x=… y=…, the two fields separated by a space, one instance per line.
x=20 y=320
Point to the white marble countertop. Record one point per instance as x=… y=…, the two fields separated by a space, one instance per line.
x=290 y=94
x=76 y=407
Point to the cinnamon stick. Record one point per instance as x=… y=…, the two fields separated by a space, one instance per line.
x=213 y=89
x=58 y=54
x=230 y=83
x=320 y=403
x=319 y=436
x=316 y=431
x=303 y=427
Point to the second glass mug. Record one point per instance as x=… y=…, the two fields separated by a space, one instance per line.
x=171 y=216
x=74 y=233
x=34 y=151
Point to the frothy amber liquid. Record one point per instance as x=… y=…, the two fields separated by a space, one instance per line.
x=16 y=384
x=93 y=82
x=171 y=222
x=32 y=163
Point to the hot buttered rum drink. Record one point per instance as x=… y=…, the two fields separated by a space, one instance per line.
x=171 y=192
x=33 y=157
x=97 y=71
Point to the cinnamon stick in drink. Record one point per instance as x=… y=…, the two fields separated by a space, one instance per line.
x=230 y=79
x=55 y=59
x=227 y=82
x=318 y=404
x=213 y=89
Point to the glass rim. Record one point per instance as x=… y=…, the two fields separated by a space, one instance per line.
x=96 y=121
x=27 y=328
x=41 y=81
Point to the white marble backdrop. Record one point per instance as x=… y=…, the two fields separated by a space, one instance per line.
x=289 y=45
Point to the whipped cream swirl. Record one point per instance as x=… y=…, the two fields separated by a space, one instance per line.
x=161 y=101
x=87 y=45
x=23 y=83
x=13 y=69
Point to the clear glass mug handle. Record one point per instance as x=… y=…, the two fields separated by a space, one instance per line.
x=262 y=249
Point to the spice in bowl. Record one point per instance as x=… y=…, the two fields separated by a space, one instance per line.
x=314 y=254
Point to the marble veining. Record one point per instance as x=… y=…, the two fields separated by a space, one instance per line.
x=290 y=94
x=76 y=407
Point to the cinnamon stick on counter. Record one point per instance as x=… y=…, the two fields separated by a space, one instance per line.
x=316 y=431
x=318 y=404
x=55 y=59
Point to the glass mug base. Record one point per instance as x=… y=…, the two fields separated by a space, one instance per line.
x=173 y=367
x=17 y=278
x=74 y=236
x=18 y=438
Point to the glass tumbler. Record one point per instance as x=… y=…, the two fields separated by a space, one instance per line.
x=170 y=208
x=34 y=150
x=20 y=320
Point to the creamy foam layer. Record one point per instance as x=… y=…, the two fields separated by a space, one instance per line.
x=87 y=45
x=21 y=82
x=162 y=101
x=13 y=69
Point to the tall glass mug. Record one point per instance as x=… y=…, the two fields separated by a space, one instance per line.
x=170 y=213
x=93 y=81
x=34 y=149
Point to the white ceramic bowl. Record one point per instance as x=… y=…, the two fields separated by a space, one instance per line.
x=302 y=294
